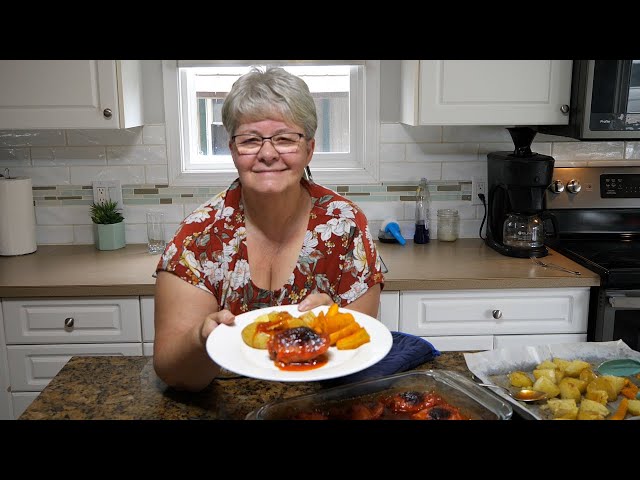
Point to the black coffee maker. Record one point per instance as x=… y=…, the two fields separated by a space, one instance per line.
x=517 y=223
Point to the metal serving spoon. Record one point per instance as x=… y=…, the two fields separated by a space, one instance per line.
x=522 y=395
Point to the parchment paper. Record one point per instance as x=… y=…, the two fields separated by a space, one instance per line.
x=493 y=366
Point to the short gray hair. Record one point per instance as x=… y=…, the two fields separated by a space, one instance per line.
x=257 y=95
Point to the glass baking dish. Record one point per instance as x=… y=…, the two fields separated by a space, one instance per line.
x=472 y=400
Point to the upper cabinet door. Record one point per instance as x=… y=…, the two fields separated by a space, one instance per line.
x=70 y=94
x=486 y=92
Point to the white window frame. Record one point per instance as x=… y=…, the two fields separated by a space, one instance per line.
x=361 y=166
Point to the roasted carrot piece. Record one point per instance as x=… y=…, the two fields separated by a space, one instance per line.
x=343 y=332
x=360 y=337
x=338 y=321
x=630 y=390
x=319 y=324
x=620 y=413
x=333 y=309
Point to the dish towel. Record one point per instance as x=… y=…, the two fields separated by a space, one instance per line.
x=407 y=352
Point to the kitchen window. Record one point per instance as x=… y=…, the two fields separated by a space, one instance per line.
x=347 y=97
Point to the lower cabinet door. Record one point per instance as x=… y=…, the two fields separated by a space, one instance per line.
x=147 y=349
x=32 y=367
x=389 y=310
x=21 y=400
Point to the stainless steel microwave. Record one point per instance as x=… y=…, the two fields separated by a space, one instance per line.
x=605 y=101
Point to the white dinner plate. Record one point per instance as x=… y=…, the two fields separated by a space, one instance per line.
x=226 y=347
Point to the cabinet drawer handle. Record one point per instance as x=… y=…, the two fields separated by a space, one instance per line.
x=107 y=113
x=68 y=322
x=564 y=109
x=497 y=314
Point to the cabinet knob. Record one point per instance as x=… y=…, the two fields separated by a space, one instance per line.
x=68 y=322
x=564 y=109
x=107 y=113
x=497 y=314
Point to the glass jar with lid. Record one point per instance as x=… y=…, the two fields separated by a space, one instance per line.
x=448 y=224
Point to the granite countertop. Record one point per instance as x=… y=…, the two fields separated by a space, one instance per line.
x=127 y=388
x=467 y=263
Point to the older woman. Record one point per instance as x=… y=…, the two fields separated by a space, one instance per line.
x=271 y=238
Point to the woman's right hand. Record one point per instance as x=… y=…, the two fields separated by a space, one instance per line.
x=212 y=321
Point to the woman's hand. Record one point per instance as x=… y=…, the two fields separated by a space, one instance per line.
x=314 y=300
x=212 y=321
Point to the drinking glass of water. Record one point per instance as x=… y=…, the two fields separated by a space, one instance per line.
x=155 y=232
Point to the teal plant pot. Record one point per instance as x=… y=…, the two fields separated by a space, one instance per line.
x=109 y=237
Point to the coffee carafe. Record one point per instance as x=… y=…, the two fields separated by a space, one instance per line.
x=517 y=223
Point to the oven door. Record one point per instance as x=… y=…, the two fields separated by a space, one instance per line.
x=620 y=318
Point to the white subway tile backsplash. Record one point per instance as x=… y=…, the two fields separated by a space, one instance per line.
x=135 y=233
x=153 y=135
x=54 y=235
x=48 y=156
x=475 y=134
x=400 y=133
x=382 y=210
x=128 y=136
x=463 y=170
x=83 y=234
x=156 y=174
x=392 y=152
x=137 y=213
x=126 y=174
x=30 y=138
x=69 y=215
x=409 y=172
x=43 y=176
x=137 y=155
x=588 y=151
x=442 y=152
x=14 y=156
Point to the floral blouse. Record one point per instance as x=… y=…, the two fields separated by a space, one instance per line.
x=338 y=255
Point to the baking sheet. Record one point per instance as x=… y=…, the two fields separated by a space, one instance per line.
x=493 y=366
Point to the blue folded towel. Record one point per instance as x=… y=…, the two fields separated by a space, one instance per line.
x=407 y=352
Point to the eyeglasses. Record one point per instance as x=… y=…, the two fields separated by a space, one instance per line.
x=249 y=144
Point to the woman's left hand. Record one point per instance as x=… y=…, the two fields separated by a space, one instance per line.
x=314 y=300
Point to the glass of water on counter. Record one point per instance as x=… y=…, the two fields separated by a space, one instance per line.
x=155 y=232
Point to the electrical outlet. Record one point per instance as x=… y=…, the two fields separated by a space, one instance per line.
x=101 y=195
x=105 y=190
x=478 y=185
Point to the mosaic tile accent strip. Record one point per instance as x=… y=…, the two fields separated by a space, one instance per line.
x=164 y=195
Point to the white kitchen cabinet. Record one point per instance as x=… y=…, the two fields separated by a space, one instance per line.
x=70 y=94
x=42 y=334
x=5 y=396
x=488 y=319
x=147 y=310
x=485 y=92
x=389 y=310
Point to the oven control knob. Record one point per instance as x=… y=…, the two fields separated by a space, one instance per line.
x=557 y=186
x=574 y=186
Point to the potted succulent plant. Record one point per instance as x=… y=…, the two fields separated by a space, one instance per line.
x=108 y=225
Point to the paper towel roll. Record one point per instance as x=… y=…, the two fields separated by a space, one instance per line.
x=17 y=216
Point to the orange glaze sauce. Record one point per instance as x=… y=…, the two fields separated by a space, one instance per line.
x=299 y=367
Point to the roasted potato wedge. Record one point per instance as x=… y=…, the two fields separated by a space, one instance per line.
x=520 y=379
